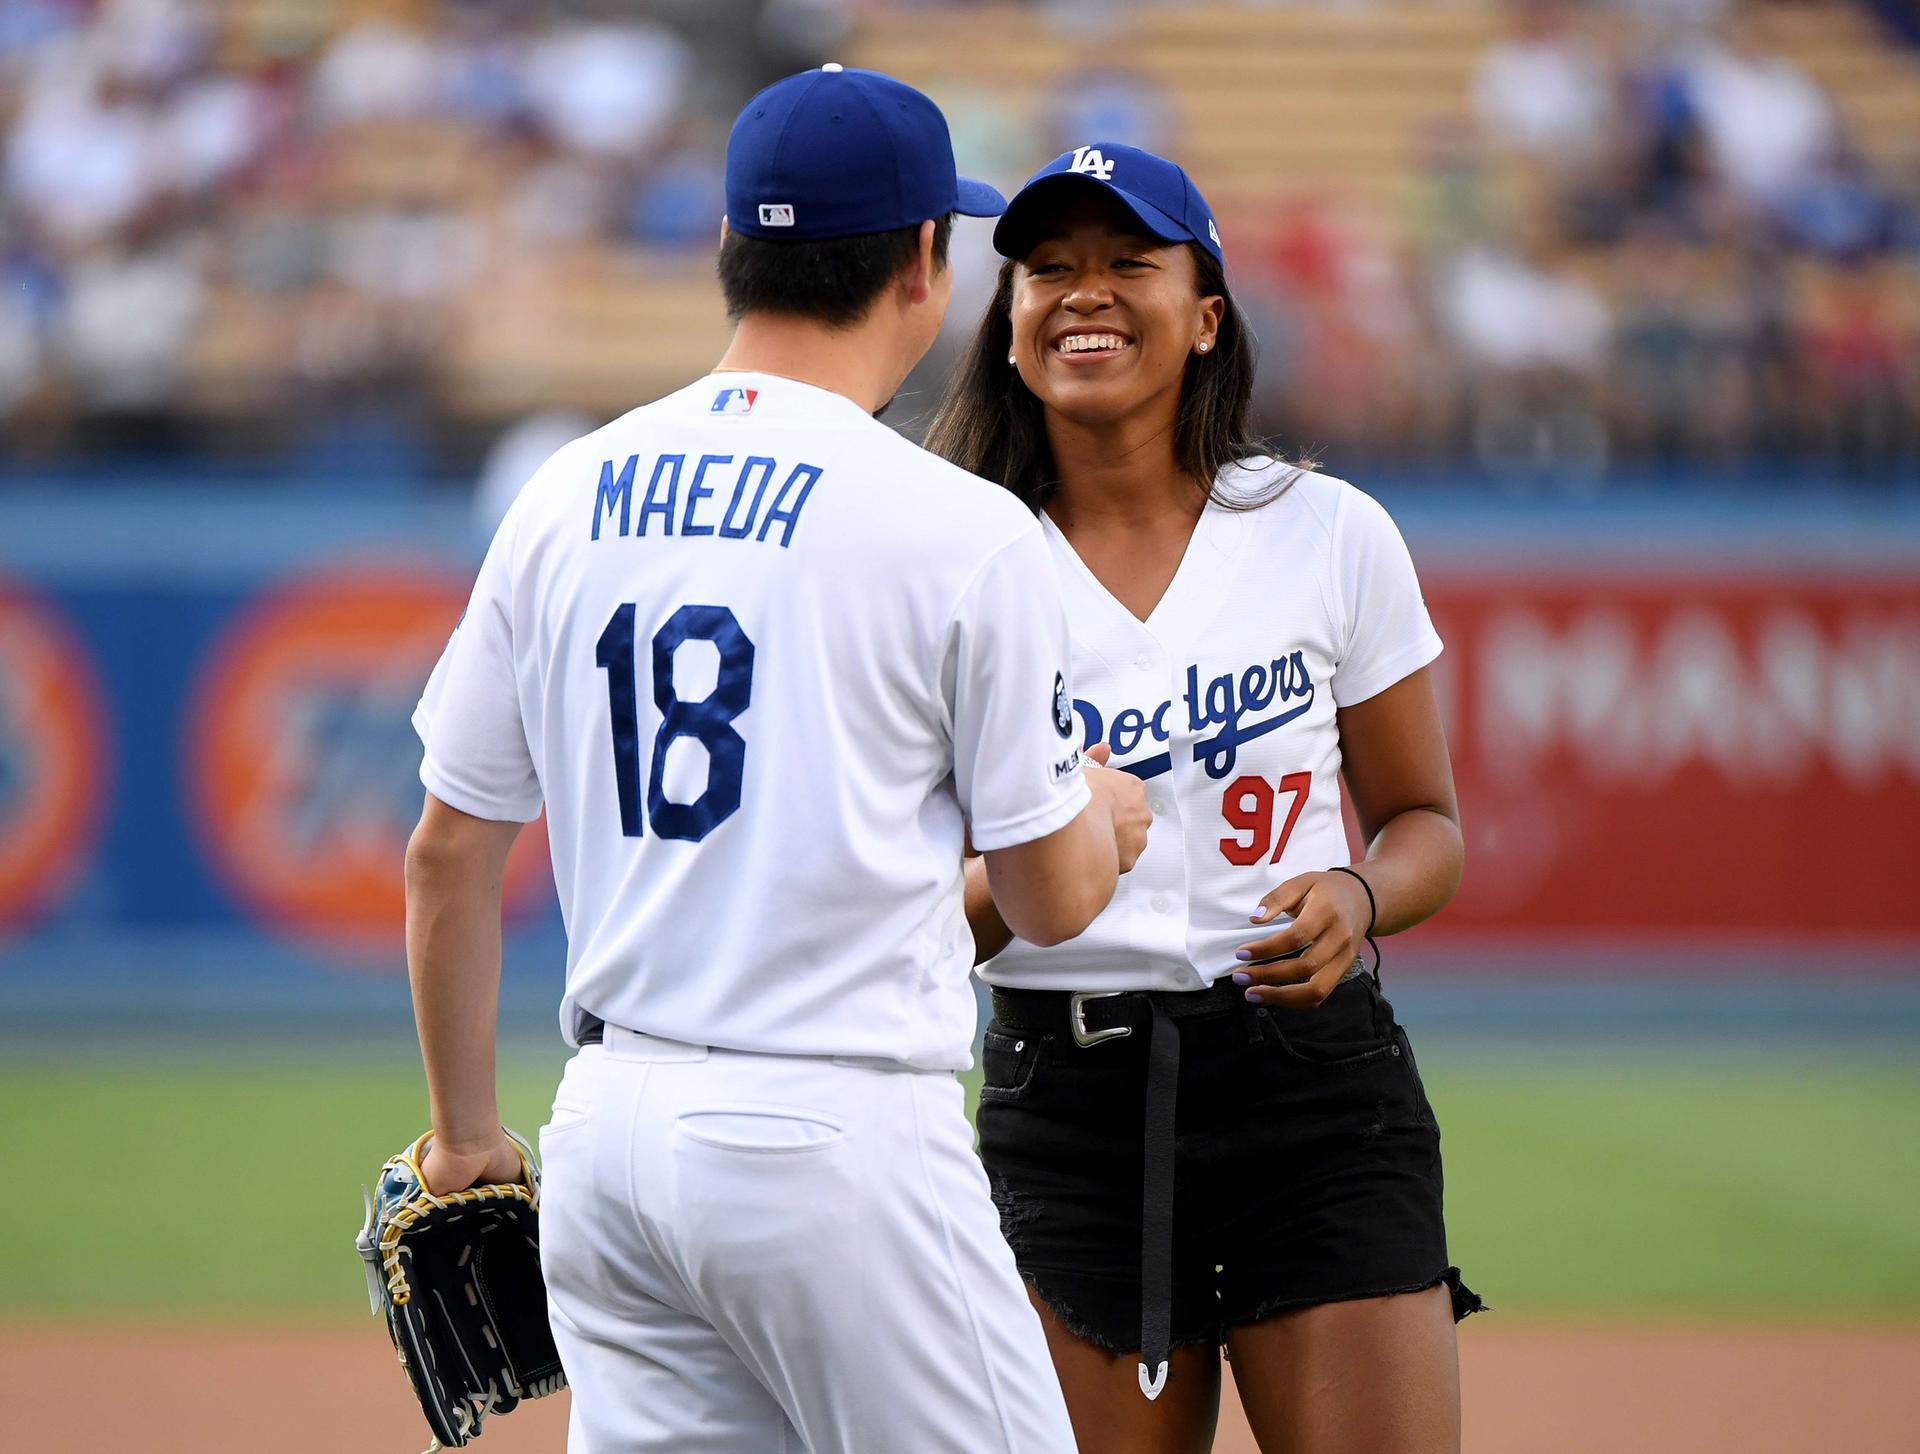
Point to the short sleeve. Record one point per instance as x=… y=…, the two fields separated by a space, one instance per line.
x=477 y=758
x=1016 y=766
x=1386 y=632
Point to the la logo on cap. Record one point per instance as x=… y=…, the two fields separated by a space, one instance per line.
x=776 y=214
x=735 y=401
x=1088 y=159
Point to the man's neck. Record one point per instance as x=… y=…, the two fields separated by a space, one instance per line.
x=857 y=363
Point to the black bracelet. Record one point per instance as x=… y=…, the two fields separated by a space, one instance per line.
x=1373 y=913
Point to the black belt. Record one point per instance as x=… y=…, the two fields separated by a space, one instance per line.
x=1092 y=1019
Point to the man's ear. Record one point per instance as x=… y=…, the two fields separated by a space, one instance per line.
x=923 y=270
x=723 y=227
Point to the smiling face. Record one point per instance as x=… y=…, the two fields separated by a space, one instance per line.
x=1105 y=317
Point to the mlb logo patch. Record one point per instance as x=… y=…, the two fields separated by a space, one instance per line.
x=735 y=401
x=776 y=214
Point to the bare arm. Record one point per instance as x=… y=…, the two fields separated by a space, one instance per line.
x=456 y=867
x=1069 y=875
x=990 y=931
x=1050 y=889
x=1401 y=781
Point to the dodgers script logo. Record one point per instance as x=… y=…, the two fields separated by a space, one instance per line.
x=735 y=401
x=1088 y=160
x=1217 y=716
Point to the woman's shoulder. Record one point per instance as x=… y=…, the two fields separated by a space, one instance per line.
x=1277 y=489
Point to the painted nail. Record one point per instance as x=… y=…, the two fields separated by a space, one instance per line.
x=1243 y=954
x=1254 y=995
x=1240 y=976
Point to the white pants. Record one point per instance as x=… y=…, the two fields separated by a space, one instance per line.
x=762 y=1254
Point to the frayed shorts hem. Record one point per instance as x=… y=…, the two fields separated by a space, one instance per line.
x=1466 y=1302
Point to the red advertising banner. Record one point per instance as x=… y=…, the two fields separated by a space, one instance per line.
x=1679 y=753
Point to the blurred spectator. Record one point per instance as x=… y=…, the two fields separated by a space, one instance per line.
x=1861 y=342
x=1510 y=309
x=1544 y=90
x=1677 y=357
x=1766 y=124
x=128 y=320
x=607 y=90
x=1839 y=208
x=83 y=159
x=378 y=70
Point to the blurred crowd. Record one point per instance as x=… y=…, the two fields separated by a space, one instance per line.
x=1650 y=241
x=1644 y=236
x=353 y=169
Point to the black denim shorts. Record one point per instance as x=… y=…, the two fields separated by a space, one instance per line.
x=1306 y=1161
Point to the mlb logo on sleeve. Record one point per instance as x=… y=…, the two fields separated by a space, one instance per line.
x=735 y=401
x=776 y=214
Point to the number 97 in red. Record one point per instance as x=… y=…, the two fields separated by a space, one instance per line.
x=1249 y=805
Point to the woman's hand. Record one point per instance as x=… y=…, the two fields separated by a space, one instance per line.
x=1330 y=913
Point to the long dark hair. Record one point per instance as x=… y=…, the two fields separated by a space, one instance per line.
x=991 y=424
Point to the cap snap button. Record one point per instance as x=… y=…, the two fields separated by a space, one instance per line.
x=833 y=68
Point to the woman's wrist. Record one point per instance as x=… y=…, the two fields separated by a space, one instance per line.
x=1373 y=902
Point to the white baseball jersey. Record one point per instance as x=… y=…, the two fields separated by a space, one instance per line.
x=758 y=656
x=1223 y=701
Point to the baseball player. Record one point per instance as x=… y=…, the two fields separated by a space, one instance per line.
x=765 y=663
x=1247 y=634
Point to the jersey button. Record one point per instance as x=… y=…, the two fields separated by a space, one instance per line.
x=1143 y=662
x=1161 y=903
x=1159 y=806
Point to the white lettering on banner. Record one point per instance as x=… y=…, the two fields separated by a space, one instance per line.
x=1630 y=706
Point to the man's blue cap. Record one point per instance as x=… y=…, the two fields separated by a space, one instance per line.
x=1153 y=189
x=843 y=153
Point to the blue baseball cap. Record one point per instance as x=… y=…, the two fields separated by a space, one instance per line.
x=842 y=153
x=1153 y=189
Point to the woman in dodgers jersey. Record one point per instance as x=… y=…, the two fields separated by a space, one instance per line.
x=1202 y=1124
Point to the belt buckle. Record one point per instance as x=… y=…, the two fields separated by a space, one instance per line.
x=1077 y=1017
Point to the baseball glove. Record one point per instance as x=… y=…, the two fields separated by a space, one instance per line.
x=458 y=1277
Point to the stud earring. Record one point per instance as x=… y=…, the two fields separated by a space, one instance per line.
x=1012 y=360
x=1205 y=346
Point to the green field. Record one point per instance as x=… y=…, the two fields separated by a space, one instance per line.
x=223 y=1181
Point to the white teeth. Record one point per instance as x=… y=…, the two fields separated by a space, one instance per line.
x=1090 y=343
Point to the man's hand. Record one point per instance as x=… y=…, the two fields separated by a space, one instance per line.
x=1126 y=799
x=1330 y=913
x=443 y=1170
